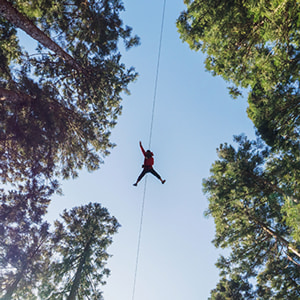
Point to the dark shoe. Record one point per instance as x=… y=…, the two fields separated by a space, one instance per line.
x=163 y=181
x=135 y=184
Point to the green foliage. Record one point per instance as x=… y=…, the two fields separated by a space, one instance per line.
x=80 y=242
x=291 y=211
x=254 y=190
x=254 y=45
x=9 y=49
x=275 y=113
x=24 y=239
x=57 y=108
x=68 y=107
x=248 y=191
x=234 y=288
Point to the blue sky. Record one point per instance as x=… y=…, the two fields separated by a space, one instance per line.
x=193 y=115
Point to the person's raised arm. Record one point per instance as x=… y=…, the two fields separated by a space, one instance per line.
x=143 y=150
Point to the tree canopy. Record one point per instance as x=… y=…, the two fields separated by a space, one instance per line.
x=61 y=101
x=254 y=45
x=80 y=241
x=253 y=190
x=25 y=238
x=58 y=105
x=248 y=198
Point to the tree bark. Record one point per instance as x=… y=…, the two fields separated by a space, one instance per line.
x=272 y=233
x=76 y=282
x=20 y=21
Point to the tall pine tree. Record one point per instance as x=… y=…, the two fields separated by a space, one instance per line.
x=247 y=195
x=80 y=242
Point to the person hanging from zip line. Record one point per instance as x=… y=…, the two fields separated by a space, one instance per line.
x=148 y=166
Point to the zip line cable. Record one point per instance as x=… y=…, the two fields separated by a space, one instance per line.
x=139 y=239
x=157 y=69
x=150 y=139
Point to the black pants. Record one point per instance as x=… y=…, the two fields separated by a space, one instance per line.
x=148 y=170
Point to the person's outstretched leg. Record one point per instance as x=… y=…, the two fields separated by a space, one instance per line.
x=140 y=177
x=157 y=175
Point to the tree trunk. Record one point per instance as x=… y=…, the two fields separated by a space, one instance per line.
x=76 y=282
x=272 y=233
x=279 y=238
x=19 y=20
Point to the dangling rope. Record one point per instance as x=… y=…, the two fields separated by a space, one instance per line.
x=150 y=139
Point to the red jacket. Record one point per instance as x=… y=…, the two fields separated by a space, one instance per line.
x=148 y=161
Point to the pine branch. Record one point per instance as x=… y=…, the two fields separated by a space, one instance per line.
x=8 y=11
